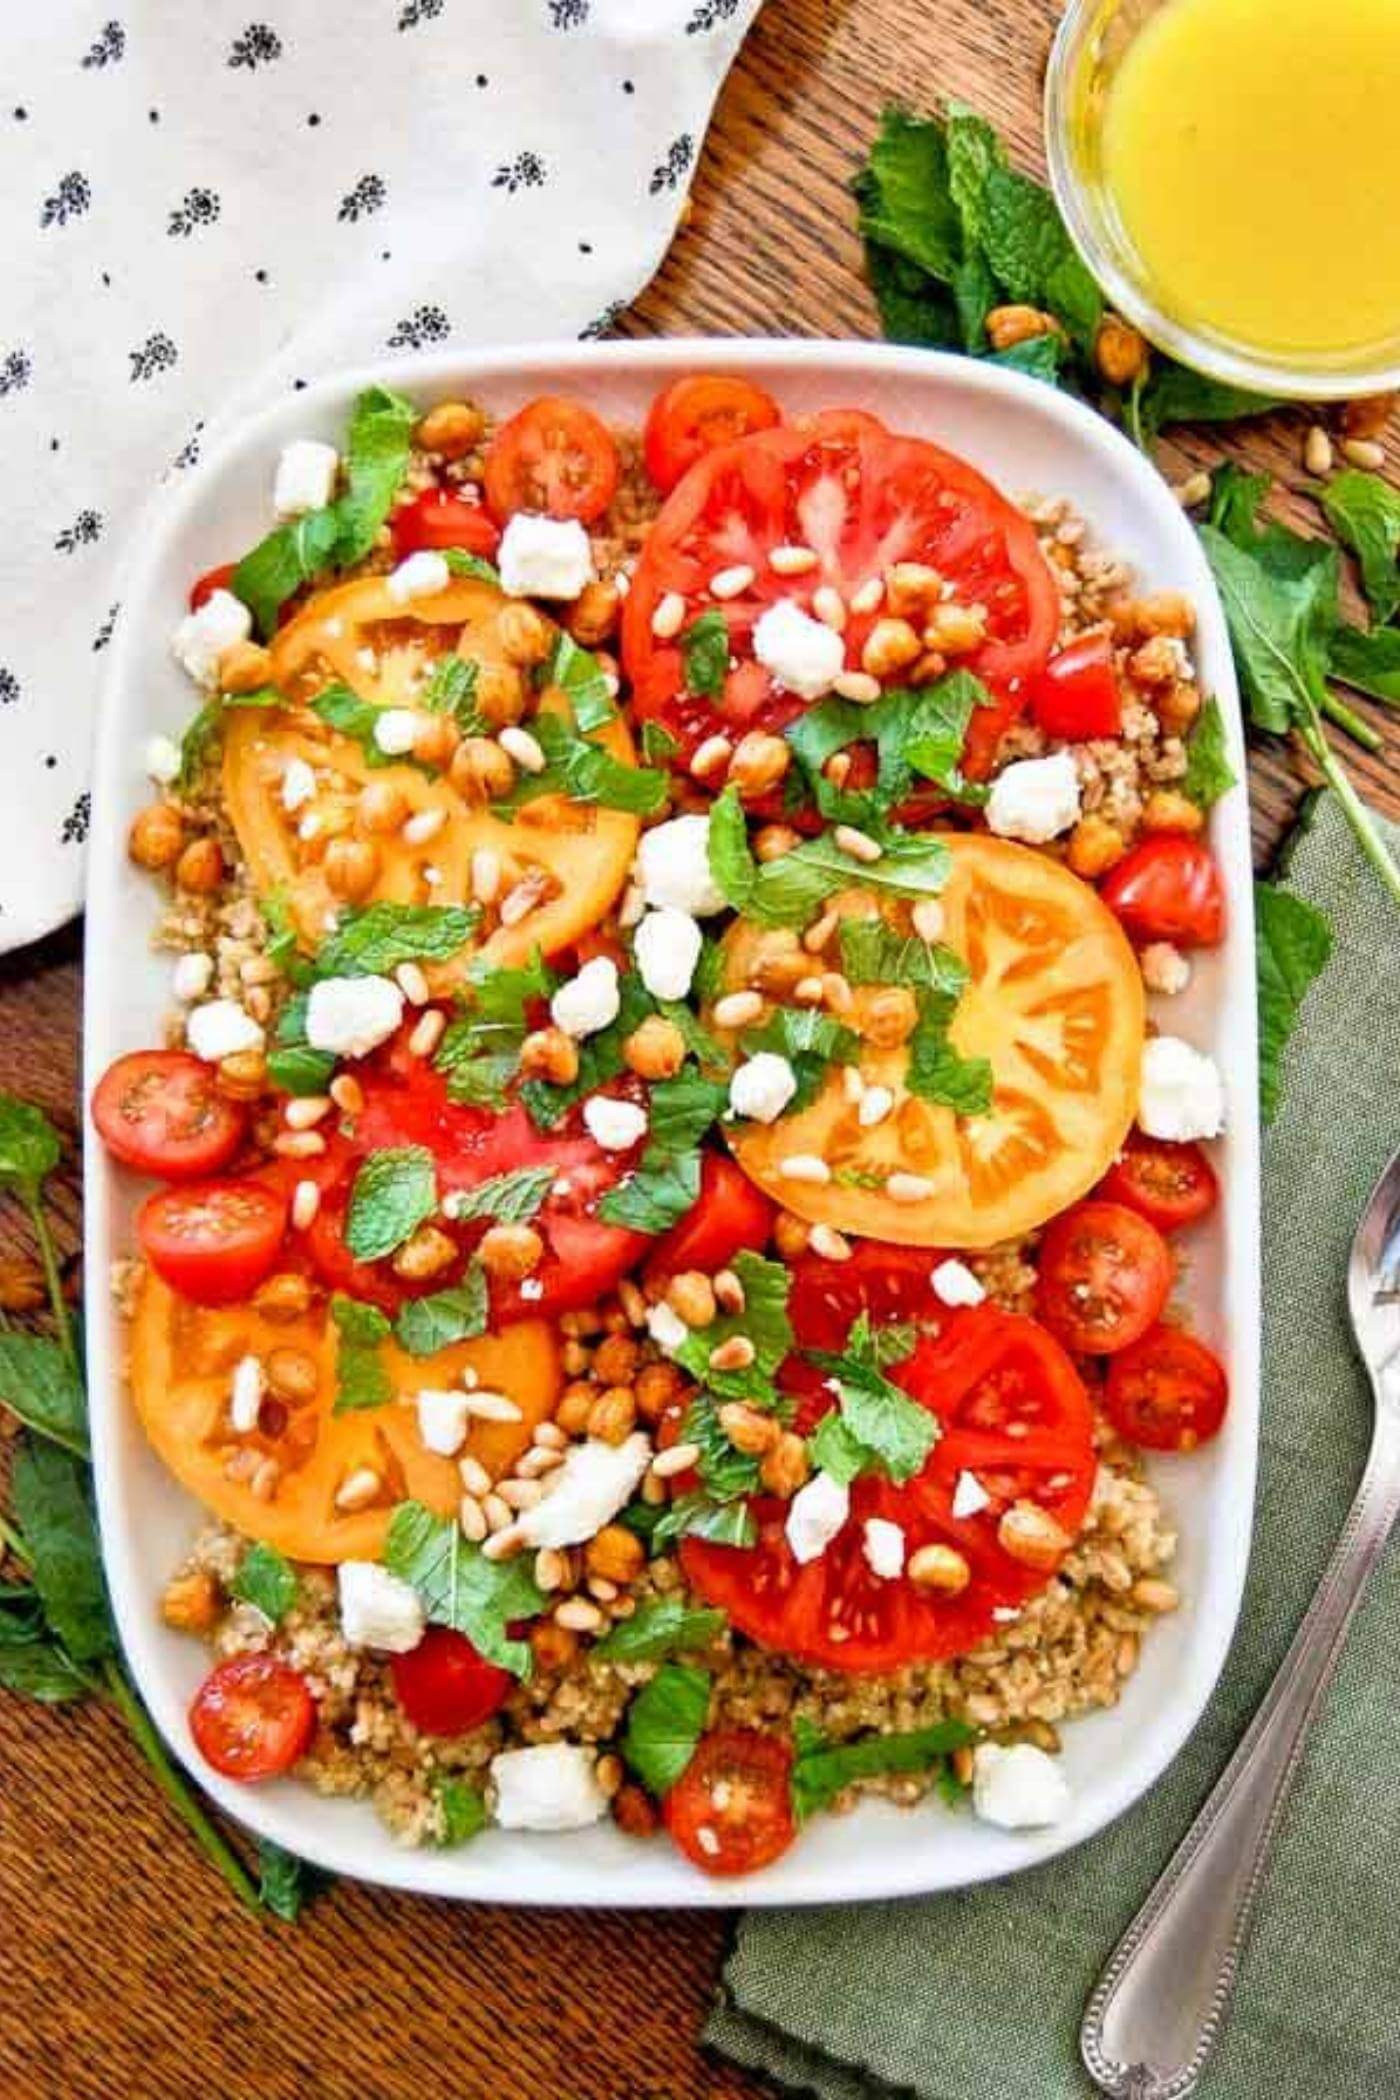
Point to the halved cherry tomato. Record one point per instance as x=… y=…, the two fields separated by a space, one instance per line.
x=213 y=1241
x=161 y=1112
x=1168 y=1392
x=253 y=1717
x=1015 y=1414
x=1170 y=1185
x=693 y=415
x=444 y=1686
x=731 y=1809
x=1168 y=888
x=1077 y=694
x=554 y=456
x=204 y=587
x=862 y=499
x=1105 y=1275
x=441 y=518
x=889 y=1284
x=731 y=1214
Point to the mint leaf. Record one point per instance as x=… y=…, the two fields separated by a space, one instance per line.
x=1209 y=773
x=600 y=1058
x=580 y=677
x=1369 y=662
x=460 y=1588
x=361 y=1376
x=344 y=711
x=680 y=1112
x=40 y=1670
x=725 y=1472
x=938 y=1072
x=660 y=1626
x=507 y=1199
x=917 y=732
x=897 y=1433
x=30 y=1147
x=286 y=1884
x=474 y=565
x=1281 y=612
x=266 y=1580
x=872 y=952
x=906 y=199
x=280 y=564
x=790 y=891
x=450 y=689
x=1174 y=394
x=377 y=448
x=1364 y=512
x=698 y=1516
x=811 y=1041
x=298 y=1069
x=1032 y=255
x=664 y=1723
x=39 y=1384
x=462 y=1811
x=822 y=1769
x=1235 y=498
x=765 y=1323
x=394 y=1191
x=1293 y=943
x=705 y=655
x=374 y=940
x=49 y=1489
x=659 y=747
x=585 y=772
x=458 y=1314
x=835 y=1449
x=732 y=864
x=652 y=1198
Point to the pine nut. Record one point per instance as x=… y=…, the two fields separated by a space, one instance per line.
x=471 y=1518
x=869 y=597
x=520 y=1494
x=1194 y=491
x=306 y=1201
x=504 y=1544
x=909 y=1188
x=1151 y=1593
x=857 y=845
x=424 y=825
x=735 y=1354
x=819 y=933
x=497 y=1513
x=486 y=875
x=518 y=744
x=307 y=1110
x=345 y=1090
x=550 y=1435
x=299 y=1144
x=492 y=1407
x=605 y=1591
x=1364 y=453
x=678 y=1459
x=669 y=617
x=577 y=1615
x=521 y=901
x=928 y=919
x=738 y=1009
x=358 y=1489
x=711 y=757
x=858 y=686
x=428 y=1032
x=1317 y=451
x=731 y=583
x=537 y=1462
x=552 y=1569
x=829 y=607
x=875 y=1104
x=940 y=1568
x=852 y=1085
x=792 y=561
x=729 y=1292
x=474 y=1476
x=830 y=1244
x=808 y=991
x=804 y=1166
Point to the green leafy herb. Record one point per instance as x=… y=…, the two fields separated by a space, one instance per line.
x=652 y=1198
x=872 y=952
x=725 y=1472
x=1175 y=394
x=1292 y=944
x=461 y=1810
x=584 y=772
x=791 y=890
x=29 y=1146
x=377 y=448
x=267 y=1581
x=282 y=562
x=40 y=1670
x=765 y=1323
x=50 y=1494
x=394 y=1191
x=474 y=565
x=1364 y=512
x=361 y=1376
x=659 y=747
x=480 y=1051
x=344 y=711
x=811 y=1041
x=681 y=1111
x=450 y=689
x=937 y=1071
x=896 y=1432
x=699 y=1516
x=664 y=1723
x=581 y=678
x=705 y=655
x=1368 y=661
x=460 y=1588
x=660 y=1626
x=458 y=1314
x=732 y=862
x=1209 y=774
x=39 y=1383
x=298 y=1069
x=918 y=733
x=600 y=1058
x=822 y=1769
x=373 y=940
x=286 y=1884
x=508 y=1199
x=834 y=1448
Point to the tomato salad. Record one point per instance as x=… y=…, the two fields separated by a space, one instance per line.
x=670 y=1197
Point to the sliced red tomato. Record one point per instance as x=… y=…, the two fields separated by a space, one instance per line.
x=442 y=518
x=407 y=1103
x=204 y=587
x=1105 y=1275
x=253 y=1717
x=554 y=456
x=862 y=499
x=1169 y=1185
x=695 y=414
x=1168 y=888
x=731 y=1809
x=890 y=1284
x=1015 y=1415
x=730 y=1215
x=1168 y=1392
x=161 y=1112
x=444 y=1686
x=213 y=1241
x=1077 y=694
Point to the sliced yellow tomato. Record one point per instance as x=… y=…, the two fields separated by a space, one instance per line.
x=576 y=855
x=182 y=1359
x=1054 y=1001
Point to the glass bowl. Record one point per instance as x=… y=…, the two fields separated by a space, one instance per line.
x=1089 y=46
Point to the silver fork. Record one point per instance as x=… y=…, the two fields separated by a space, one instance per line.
x=1161 y=2003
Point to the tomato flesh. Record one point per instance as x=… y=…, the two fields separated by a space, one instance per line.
x=161 y=1112
x=729 y=1216
x=1077 y=694
x=1169 y=1185
x=213 y=1241
x=438 y=518
x=731 y=1809
x=862 y=499
x=695 y=414
x=554 y=456
x=216 y=579
x=1105 y=1275
x=253 y=1717
x=1168 y=1392
x=445 y=1687
x=888 y=1284
x=1013 y=1412
x=1168 y=888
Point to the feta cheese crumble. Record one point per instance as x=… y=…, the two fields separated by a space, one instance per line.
x=762 y=1087
x=298 y=785
x=970 y=1498
x=615 y=1125
x=589 y=1001
x=1017 y=1787
x=192 y=976
x=954 y=1284
x=815 y=1515
x=421 y=576
x=442 y=1422
x=221 y=1029
x=1164 y=968
x=202 y=637
x=803 y=655
x=544 y=557
x=547 y=1786
x=163 y=760
x=595 y=1481
x=667 y=947
x=350 y=1016
x=305 y=478
x=666 y=1328
x=394 y=731
x=1183 y=1095
x=1034 y=799
x=377 y=1610
x=673 y=866
x=883 y=1547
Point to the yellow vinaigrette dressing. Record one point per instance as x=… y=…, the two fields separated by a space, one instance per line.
x=1252 y=148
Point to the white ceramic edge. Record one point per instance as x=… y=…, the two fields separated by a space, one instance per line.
x=515 y=1867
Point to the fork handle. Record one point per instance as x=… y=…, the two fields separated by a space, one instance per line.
x=1159 y=2007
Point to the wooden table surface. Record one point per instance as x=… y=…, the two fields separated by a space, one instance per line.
x=127 y=1970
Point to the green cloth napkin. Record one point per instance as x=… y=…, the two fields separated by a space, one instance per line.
x=978 y=1996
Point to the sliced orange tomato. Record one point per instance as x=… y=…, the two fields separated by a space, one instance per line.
x=1054 y=1001
x=357 y=635
x=182 y=1359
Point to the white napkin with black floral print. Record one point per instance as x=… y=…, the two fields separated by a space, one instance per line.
x=202 y=204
